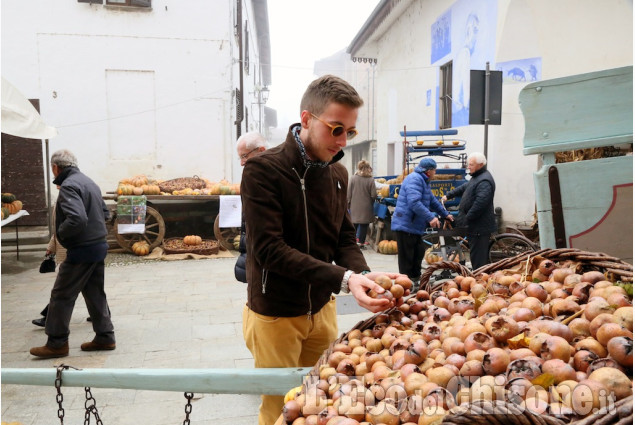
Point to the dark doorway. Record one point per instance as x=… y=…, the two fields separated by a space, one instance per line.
x=23 y=175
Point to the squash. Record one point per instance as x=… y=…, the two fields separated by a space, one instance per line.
x=225 y=189
x=125 y=189
x=234 y=189
x=192 y=240
x=13 y=207
x=141 y=248
x=139 y=180
x=154 y=189
x=7 y=198
x=431 y=257
x=384 y=192
x=214 y=189
x=137 y=191
x=387 y=247
x=5 y=213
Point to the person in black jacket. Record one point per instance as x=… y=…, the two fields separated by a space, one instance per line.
x=476 y=209
x=80 y=227
x=248 y=145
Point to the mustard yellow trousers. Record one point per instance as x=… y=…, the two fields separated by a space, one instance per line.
x=287 y=342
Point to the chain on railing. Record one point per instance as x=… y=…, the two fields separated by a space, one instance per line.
x=188 y=407
x=91 y=404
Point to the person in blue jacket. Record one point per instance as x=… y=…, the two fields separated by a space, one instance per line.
x=417 y=209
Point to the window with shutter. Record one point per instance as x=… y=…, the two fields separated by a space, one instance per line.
x=131 y=3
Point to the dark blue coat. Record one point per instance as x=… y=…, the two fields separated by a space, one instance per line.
x=476 y=209
x=416 y=205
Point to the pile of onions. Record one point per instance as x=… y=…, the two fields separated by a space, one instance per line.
x=554 y=342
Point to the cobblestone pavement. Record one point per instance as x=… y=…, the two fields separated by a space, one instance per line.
x=167 y=314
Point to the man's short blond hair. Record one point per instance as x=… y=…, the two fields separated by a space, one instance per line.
x=329 y=89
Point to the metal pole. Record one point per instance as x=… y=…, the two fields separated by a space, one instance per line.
x=48 y=188
x=486 y=115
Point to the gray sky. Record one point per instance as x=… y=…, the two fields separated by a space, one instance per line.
x=302 y=32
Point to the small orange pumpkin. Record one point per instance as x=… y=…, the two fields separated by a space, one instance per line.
x=141 y=248
x=192 y=240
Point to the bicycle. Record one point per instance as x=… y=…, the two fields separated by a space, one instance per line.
x=452 y=244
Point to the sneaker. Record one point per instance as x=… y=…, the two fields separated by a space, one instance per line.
x=95 y=346
x=46 y=352
x=39 y=322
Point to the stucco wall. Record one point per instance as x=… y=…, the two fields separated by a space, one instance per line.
x=133 y=91
x=597 y=36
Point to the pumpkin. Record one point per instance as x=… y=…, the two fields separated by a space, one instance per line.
x=384 y=192
x=137 y=191
x=431 y=257
x=139 y=180
x=5 y=213
x=387 y=247
x=214 y=189
x=234 y=189
x=7 y=198
x=13 y=207
x=225 y=189
x=141 y=248
x=125 y=189
x=192 y=240
x=236 y=242
x=151 y=189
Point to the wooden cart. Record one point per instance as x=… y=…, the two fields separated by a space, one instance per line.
x=155 y=224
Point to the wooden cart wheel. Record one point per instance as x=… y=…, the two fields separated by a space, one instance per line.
x=155 y=231
x=225 y=236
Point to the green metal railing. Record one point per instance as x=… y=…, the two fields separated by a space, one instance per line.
x=271 y=381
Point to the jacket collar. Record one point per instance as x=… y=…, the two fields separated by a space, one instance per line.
x=294 y=151
x=479 y=172
x=64 y=174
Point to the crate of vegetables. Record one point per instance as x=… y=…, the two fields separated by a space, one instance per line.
x=544 y=339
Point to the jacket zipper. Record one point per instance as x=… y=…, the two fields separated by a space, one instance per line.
x=265 y=273
x=306 y=225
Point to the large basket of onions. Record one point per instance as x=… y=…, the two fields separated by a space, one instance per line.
x=544 y=339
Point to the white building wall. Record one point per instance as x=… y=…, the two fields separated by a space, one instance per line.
x=597 y=36
x=134 y=91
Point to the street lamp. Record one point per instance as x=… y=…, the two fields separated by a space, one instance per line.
x=263 y=96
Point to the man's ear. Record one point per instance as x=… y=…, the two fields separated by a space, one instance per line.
x=305 y=116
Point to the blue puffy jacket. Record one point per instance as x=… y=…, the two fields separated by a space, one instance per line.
x=416 y=205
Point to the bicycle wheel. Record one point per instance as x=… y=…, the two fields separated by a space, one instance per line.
x=508 y=245
x=453 y=248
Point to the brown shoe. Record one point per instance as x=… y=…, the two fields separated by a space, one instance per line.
x=47 y=352
x=95 y=346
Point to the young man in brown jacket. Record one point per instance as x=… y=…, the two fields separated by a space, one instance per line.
x=302 y=246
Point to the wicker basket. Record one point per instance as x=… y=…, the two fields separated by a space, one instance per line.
x=176 y=246
x=613 y=267
x=505 y=413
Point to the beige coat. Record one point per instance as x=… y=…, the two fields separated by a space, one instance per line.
x=361 y=198
x=55 y=247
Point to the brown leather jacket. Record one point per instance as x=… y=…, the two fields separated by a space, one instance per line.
x=301 y=239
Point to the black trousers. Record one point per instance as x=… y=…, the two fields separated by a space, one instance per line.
x=411 y=250
x=479 y=249
x=73 y=278
x=362 y=230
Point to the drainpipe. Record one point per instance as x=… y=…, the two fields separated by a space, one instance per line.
x=239 y=92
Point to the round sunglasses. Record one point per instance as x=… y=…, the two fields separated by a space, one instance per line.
x=337 y=130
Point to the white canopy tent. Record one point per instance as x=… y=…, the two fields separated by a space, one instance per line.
x=21 y=119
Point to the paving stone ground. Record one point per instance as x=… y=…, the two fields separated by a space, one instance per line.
x=167 y=314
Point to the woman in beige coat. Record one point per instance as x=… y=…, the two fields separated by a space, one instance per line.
x=56 y=249
x=361 y=198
